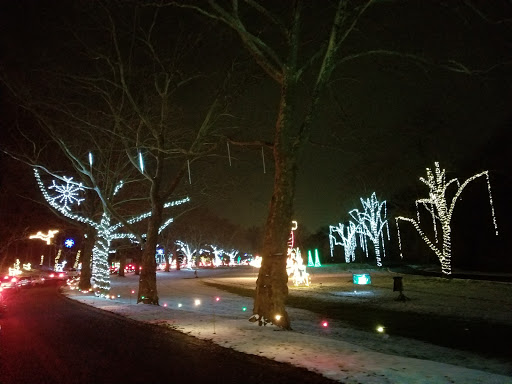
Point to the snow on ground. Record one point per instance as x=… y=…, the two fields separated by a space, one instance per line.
x=338 y=352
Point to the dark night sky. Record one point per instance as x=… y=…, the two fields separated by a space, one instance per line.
x=394 y=117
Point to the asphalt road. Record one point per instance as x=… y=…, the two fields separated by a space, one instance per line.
x=47 y=338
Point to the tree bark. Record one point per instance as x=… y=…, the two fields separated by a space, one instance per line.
x=86 y=273
x=148 y=293
x=272 y=282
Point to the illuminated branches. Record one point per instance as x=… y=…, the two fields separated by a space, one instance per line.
x=370 y=225
x=441 y=211
x=347 y=234
x=105 y=231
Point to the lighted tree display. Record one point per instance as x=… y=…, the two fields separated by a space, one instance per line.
x=441 y=211
x=105 y=231
x=370 y=225
x=347 y=235
x=295 y=267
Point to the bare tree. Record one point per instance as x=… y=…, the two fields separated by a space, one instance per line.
x=124 y=112
x=301 y=63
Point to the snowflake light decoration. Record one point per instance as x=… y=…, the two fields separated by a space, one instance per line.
x=69 y=243
x=67 y=194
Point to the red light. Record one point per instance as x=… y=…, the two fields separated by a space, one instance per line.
x=61 y=275
x=217 y=298
x=325 y=324
x=6 y=277
x=52 y=275
x=133 y=291
x=13 y=280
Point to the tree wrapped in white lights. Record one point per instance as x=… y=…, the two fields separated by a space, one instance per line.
x=370 y=225
x=347 y=234
x=105 y=231
x=441 y=211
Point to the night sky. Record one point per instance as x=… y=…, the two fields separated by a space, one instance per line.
x=384 y=120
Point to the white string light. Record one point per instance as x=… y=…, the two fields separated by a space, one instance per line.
x=105 y=232
x=141 y=163
x=436 y=204
x=347 y=234
x=371 y=224
x=294 y=264
x=67 y=194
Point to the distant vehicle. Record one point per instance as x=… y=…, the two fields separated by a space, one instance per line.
x=9 y=282
x=72 y=272
x=56 y=276
x=38 y=280
x=24 y=281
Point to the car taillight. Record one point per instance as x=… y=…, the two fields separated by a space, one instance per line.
x=13 y=280
x=61 y=275
x=52 y=275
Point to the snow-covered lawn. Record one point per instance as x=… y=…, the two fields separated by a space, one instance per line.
x=338 y=351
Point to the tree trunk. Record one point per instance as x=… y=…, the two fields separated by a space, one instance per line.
x=446 y=261
x=122 y=262
x=148 y=293
x=86 y=273
x=272 y=282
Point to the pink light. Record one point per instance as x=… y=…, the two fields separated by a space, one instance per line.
x=325 y=324
x=133 y=291
x=217 y=298
x=165 y=304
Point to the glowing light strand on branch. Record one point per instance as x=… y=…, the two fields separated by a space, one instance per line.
x=371 y=224
x=105 y=233
x=347 y=234
x=436 y=204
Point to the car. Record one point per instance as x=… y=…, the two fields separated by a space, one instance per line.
x=24 y=281
x=38 y=280
x=9 y=282
x=58 y=276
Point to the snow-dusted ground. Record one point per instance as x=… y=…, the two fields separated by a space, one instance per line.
x=339 y=352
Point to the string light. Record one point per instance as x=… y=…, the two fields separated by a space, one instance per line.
x=440 y=210
x=141 y=163
x=48 y=237
x=294 y=264
x=347 y=234
x=105 y=232
x=77 y=259
x=69 y=243
x=371 y=224
x=67 y=194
